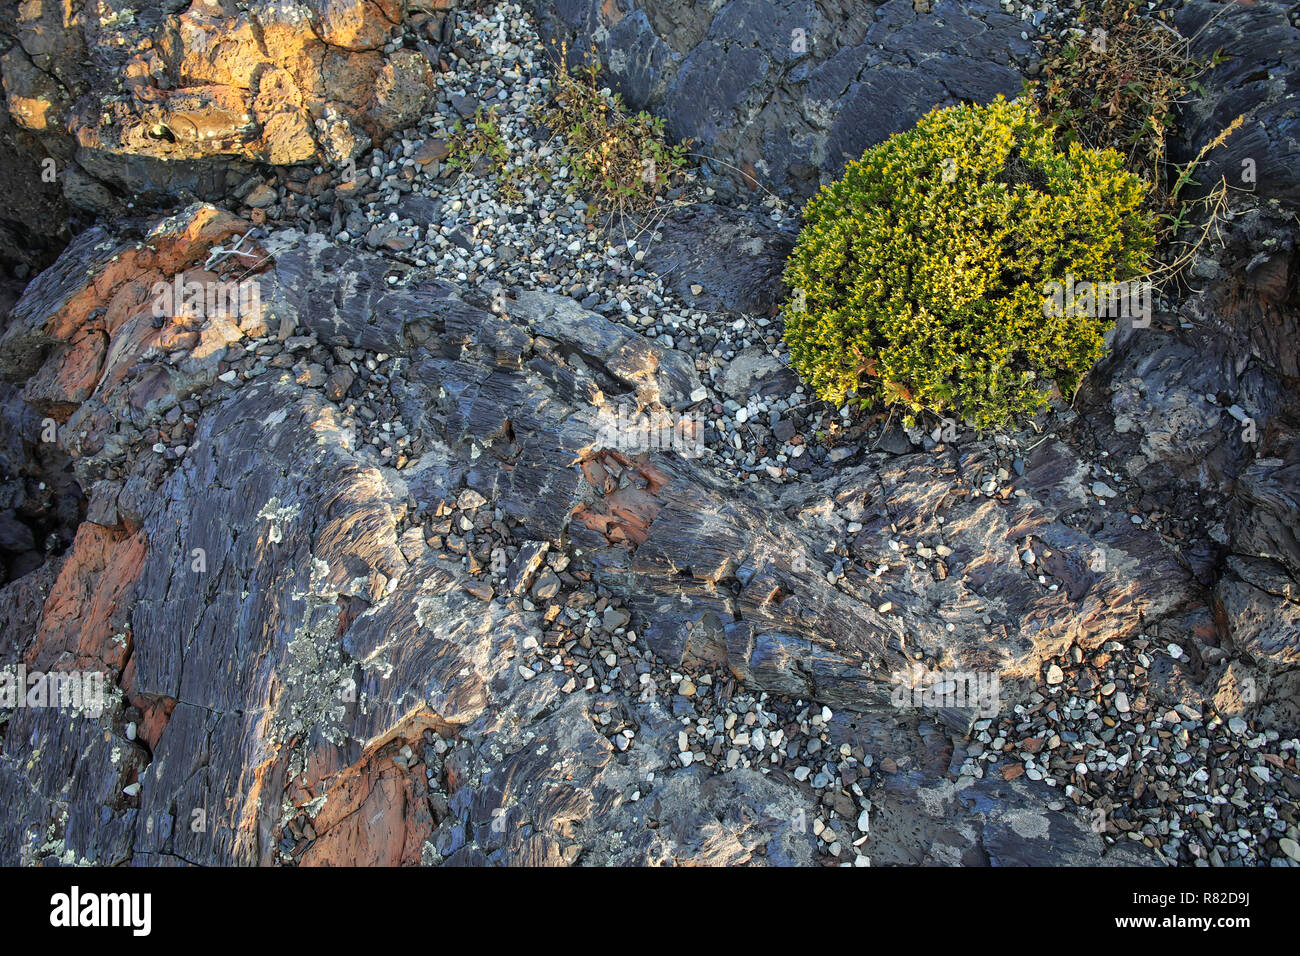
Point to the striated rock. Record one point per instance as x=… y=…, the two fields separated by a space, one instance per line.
x=783 y=93
x=368 y=585
x=1259 y=82
x=733 y=259
x=1016 y=829
x=84 y=623
x=306 y=687
x=1202 y=409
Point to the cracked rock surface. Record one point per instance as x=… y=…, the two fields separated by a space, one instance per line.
x=317 y=656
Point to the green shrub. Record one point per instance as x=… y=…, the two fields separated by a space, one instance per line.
x=919 y=277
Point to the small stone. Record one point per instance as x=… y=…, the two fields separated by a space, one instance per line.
x=261 y=195
x=470 y=500
x=546 y=587
x=431 y=150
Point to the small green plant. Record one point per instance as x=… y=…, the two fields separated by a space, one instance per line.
x=1178 y=218
x=482 y=138
x=920 y=278
x=619 y=161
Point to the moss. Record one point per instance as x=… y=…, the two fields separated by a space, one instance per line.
x=919 y=277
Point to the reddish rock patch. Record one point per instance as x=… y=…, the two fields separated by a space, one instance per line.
x=623 y=514
x=84 y=625
x=376 y=811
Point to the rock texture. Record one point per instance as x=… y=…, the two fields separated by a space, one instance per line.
x=34 y=223
x=1259 y=82
x=369 y=587
x=145 y=103
x=291 y=658
x=782 y=93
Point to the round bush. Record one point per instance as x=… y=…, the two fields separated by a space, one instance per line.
x=919 y=278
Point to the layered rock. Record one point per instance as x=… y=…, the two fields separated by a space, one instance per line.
x=371 y=586
x=1258 y=82
x=308 y=676
x=782 y=93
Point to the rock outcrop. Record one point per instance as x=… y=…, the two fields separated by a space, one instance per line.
x=369 y=581
x=1259 y=82
x=302 y=643
x=148 y=104
x=782 y=93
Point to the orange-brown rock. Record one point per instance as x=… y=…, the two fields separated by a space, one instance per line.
x=84 y=625
x=270 y=82
x=621 y=514
x=375 y=811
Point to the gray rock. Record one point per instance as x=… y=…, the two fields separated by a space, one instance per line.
x=786 y=93
x=1268 y=144
x=735 y=259
x=14 y=535
x=745 y=374
x=519 y=575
